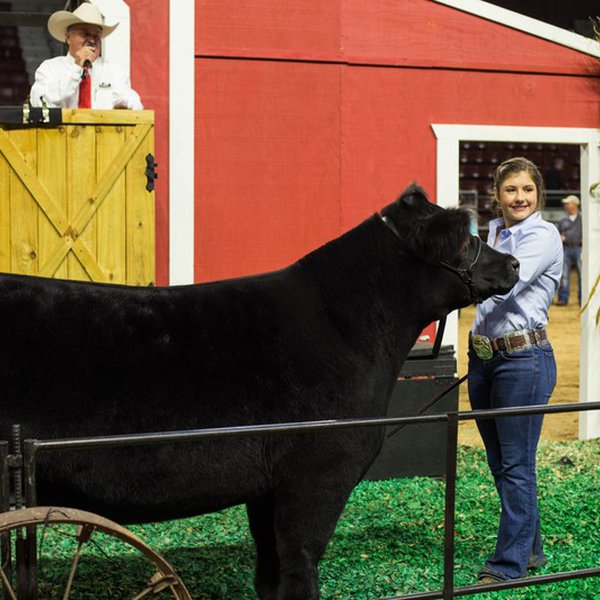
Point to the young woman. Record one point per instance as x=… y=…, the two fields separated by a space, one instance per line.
x=511 y=363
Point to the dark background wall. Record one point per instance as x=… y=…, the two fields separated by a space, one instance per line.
x=574 y=16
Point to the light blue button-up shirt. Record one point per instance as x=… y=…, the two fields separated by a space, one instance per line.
x=537 y=246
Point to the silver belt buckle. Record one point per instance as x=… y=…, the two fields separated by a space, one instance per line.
x=508 y=340
x=482 y=346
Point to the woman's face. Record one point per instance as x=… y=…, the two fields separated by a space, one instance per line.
x=518 y=197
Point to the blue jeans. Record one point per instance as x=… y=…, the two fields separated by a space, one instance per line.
x=523 y=378
x=572 y=259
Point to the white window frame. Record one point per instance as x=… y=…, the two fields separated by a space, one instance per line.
x=447 y=184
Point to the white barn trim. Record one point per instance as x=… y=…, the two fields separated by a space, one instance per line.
x=181 y=141
x=515 y=20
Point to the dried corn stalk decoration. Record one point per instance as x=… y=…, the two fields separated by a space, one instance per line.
x=591 y=295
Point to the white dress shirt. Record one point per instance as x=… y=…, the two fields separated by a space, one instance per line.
x=57 y=81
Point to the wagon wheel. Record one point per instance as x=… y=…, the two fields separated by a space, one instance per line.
x=164 y=583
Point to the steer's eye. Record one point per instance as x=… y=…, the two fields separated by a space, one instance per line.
x=464 y=246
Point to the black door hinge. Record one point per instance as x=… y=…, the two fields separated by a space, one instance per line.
x=151 y=173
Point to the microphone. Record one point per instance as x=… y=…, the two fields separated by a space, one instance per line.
x=86 y=65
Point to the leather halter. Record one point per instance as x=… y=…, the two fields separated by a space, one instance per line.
x=465 y=275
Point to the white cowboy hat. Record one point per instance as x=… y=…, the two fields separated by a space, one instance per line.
x=571 y=199
x=87 y=13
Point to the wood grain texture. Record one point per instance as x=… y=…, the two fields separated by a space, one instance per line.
x=64 y=199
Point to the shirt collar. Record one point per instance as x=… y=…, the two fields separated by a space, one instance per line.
x=496 y=225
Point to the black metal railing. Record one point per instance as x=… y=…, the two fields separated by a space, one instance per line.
x=31 y=448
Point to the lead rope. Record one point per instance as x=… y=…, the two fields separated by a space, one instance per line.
x=437 y=344
x=430 y=404
x=434 y=354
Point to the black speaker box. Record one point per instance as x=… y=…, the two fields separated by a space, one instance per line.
x=418 y=449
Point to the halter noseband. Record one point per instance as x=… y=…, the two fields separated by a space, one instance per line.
x=465 y=275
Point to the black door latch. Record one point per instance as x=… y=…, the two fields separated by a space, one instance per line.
x=151 y=173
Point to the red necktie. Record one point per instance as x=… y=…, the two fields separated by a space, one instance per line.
x=85 y=89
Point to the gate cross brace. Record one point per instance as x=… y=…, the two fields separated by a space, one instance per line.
x=70 y=232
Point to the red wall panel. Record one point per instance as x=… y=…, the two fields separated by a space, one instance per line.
x=267 y=164
x=294 y=28
x=387 y=115
x=150 y=78
x=293 y=150
x=424 y=33
x=383 y=32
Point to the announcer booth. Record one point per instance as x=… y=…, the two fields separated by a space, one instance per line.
x=279 y=126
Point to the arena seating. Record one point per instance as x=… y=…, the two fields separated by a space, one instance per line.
x=14 y=84
x=22 y=49
x=478 y=160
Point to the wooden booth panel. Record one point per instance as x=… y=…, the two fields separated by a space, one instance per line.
x=73 y=198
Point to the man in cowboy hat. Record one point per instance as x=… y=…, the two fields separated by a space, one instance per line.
x=82 y=78
x=571 y=235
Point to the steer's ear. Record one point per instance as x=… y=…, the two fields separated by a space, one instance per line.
x=442 y=235
x=414 y=196
x=410 y=205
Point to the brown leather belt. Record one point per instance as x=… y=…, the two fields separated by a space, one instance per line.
x=484 y=347
x=519 y=340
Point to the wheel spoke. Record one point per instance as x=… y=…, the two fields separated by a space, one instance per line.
x=158 y=583
x=84 y=533
x=143 y=593
x=164 y=580
x=6 y=585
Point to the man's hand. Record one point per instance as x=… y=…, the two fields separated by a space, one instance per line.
x=85 y=53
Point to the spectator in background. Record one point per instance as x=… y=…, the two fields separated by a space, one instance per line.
x=555 y=176
x=570 y=231
x=82 y=78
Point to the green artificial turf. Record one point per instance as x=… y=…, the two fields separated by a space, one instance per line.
x=389 y=540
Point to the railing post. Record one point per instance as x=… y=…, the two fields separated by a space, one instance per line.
x=4 y=477
x=449 y=519
x=20 y=534
x=29 y=468
x=5 y=541
x=29 y=455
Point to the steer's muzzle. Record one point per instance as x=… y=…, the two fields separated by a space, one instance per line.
x=495 y=273
x=513 y=275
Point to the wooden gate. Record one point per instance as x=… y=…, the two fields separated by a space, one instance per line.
x=74 y=202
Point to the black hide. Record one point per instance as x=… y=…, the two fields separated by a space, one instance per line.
x=321 y=339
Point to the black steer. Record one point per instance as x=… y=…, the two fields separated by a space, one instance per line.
x=321 y=339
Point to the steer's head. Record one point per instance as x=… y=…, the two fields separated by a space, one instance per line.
x=441 y=239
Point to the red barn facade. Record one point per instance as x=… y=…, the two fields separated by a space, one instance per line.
x=281 y=124
x=310 y=115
